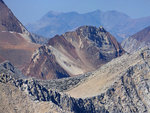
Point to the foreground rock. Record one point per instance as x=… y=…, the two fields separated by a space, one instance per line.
x=121 y=85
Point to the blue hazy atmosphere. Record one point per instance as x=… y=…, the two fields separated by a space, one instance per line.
x=31 y=10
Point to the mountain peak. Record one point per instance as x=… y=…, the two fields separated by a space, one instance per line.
x=75 y=52
x=90 y=31
x=101 y=28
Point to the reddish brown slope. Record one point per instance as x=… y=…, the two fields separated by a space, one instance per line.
x=8 y=22
x=45 y=66
x=60 y=42
x=15 y=41
x=15 y=48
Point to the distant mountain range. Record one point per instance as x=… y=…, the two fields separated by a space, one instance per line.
x=118 y=24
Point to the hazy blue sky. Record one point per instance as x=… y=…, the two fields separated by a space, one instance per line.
x=31 y=10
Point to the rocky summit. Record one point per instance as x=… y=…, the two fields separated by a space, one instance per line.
x=74 y=53
x=137 y=41
x=120 y=86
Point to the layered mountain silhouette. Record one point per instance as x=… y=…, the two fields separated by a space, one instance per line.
x=118 y=24
x=74 y=53
x=137 y=41
x=16 y=43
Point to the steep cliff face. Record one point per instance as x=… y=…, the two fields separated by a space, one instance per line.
x=137 y=41
x=76 y=52
x=121 y=85
x=8 y=22
x=16 y=43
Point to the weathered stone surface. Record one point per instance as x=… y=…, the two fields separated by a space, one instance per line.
x=126 y=91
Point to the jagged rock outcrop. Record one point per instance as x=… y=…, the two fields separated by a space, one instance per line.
x=36 y=92
x=74 y=53
x=120 y=86
x=137 y=41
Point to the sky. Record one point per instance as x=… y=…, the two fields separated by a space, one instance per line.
x=28 y=11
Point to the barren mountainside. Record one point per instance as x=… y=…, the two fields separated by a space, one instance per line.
x=16 y=43
x=8 y=22
x=137 y=41
x=74 y=53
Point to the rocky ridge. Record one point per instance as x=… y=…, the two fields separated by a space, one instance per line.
x=127 y=90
